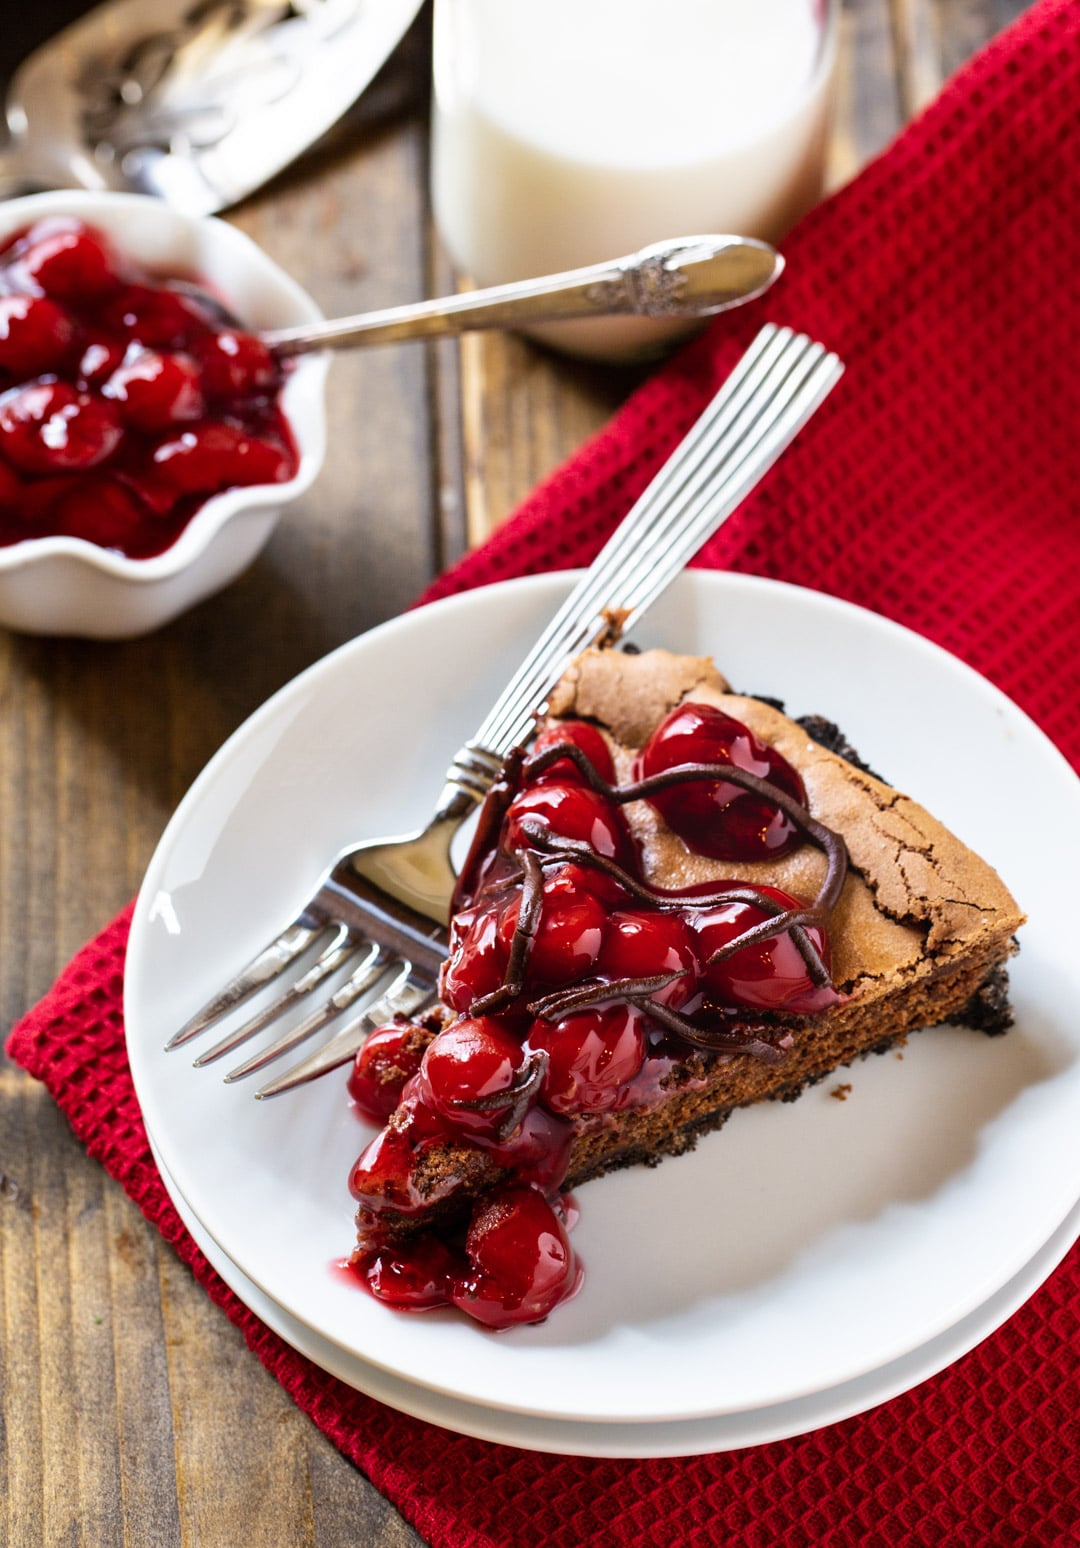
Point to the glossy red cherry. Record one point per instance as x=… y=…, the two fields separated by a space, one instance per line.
x=382 y=1176
x=592 y=1056
x=390 y=1057
x=100 y=510
x=99 y=360
x=472 y=1061
x=603 y=887
x=645 y=943
x=580 y=734
x=420 y=1121
x=11 y=488
x=521 y=1261
x=152 y=492
x=31 y=513
x=155 y=316
x=153 y=391
x=62 y=258
x=574 y=812
x=476 y=960
x=48 y=427
x=36 y=335
x=537 y=1153
x=414 y=1275
x=216 y=455
x=235 y=364
x=718 y=818
x=569 y=933
x=771 y=976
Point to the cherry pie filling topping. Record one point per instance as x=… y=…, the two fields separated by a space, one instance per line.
x=575 y=990
x=126 y=401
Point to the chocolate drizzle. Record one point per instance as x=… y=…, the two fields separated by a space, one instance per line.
x=549 y=850
x=486 y=834
x=516 y=1098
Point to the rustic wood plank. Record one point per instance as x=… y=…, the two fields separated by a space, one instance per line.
x=919 y=65
x=132 y=1411
x=353 y=223
x=240 y=1439
x=136 y=1326
x=962 y=26
x=868 y=111
x=82 y=1433
x=524 y=411
x=24 y=1112
x=237 y=1438
x=934 y=37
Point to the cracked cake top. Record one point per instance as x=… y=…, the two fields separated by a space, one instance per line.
x=915 y=894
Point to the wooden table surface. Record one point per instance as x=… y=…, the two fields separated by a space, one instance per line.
x=132 y=1413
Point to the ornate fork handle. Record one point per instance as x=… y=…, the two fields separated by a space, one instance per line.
x=683 y=277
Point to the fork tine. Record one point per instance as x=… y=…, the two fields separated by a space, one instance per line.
x=344 y=943
x=410 y=993
x=261 y=970
x=375 y=965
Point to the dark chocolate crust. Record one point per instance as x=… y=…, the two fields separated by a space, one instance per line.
x=986 y=1011
x=826 y=733
x=989 y=1009
x=694 y=1110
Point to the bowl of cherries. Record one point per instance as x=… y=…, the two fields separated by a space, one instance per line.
x=149 y=439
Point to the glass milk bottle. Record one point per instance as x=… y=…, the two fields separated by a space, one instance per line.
x=568 y=132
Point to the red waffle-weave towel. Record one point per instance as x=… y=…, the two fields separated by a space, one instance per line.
x=939 y=486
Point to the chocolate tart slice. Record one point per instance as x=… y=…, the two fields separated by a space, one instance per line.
x=678 y=903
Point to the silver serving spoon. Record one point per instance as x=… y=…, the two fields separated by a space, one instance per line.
x=682 y=278
x=199 y=102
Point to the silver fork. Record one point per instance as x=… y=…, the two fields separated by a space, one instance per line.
x=381 y=909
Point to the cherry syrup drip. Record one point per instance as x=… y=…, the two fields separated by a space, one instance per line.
x=126 y=401
x=577 y=987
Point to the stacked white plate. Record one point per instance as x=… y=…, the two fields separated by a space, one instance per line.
x=806 y=1263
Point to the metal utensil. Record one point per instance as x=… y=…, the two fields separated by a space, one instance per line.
x=380 y=912
x=196 y=101
x=683 y=277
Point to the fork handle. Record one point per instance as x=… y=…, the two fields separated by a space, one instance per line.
x=765 y=401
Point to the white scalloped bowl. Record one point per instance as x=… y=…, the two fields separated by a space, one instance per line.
x=68 y=586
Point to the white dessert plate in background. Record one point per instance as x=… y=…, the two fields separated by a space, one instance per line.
x=800 y=1248
x=677 y=1438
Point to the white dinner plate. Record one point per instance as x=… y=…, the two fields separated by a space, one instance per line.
x=800 y=1248
x=677 y=1438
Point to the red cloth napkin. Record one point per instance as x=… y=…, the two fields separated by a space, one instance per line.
x=938 y=486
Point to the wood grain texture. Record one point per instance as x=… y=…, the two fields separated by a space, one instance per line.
x=131 y=1412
